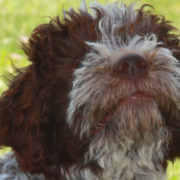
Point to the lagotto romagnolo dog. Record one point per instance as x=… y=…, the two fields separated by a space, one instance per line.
x=100 y=100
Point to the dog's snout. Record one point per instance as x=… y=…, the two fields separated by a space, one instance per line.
x=131 y=66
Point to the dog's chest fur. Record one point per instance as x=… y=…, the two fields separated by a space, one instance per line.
x=120 y=164
x=127 y=161
x=132 y=165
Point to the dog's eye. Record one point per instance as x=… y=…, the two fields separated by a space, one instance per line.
x=80 y=64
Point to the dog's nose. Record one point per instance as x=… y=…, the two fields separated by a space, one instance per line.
x=131 y=66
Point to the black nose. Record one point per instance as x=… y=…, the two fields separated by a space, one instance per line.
x=131 y=66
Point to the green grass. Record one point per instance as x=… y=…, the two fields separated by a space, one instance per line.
x=19 y=17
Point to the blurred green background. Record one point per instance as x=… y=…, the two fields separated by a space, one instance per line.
x=19 y=17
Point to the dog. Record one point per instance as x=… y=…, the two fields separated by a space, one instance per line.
x=99 y=101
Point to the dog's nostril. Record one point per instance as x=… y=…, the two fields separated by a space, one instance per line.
x=124 y=66
x=131 y=66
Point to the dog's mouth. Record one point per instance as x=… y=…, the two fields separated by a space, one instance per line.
x=135 y=98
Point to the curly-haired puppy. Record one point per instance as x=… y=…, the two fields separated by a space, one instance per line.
x=100 y=100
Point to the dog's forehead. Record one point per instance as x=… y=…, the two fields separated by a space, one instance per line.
x=143 y=46
x=113 y=18
x=137 y=44
x=107 y=29
x=114 y=27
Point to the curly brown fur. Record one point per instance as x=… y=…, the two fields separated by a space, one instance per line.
x=33 y=111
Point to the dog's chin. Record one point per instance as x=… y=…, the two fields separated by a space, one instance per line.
x=135 y=99
x=137 y=115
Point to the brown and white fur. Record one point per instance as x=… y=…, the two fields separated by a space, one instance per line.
x=100 y=100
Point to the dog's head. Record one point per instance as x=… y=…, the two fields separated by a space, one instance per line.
x=97 y=84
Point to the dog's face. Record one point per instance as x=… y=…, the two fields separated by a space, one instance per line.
x=102 y=95
x=125 y=86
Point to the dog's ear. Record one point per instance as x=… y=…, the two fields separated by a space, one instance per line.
x=37 y=96
x=33 y=109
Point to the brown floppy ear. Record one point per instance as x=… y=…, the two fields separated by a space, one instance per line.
x=33 y=109
x=36 y=98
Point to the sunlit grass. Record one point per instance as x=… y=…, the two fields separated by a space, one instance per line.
x=19 y=17
x=174 y=171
